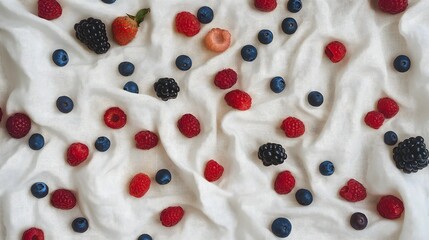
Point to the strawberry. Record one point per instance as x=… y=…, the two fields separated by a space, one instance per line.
x=187 y=24
x=374 y=119
x=18 y=125
x=388 y=107
x=115 y=118
x=33 y=234
x=335 y=51
x=146 y=140
x=354 y=191
x=189 y=125
x=392 y=6
x=226 y=78
x=284 y=182
x=265 y=5
x=390 y=207
x=293 y=127
x=139 y=185
x=125 y=28
x=213 y=171
x=77 y=153
x=49 y=9
x=63 y=199
x=238 y=99
x=171 y=216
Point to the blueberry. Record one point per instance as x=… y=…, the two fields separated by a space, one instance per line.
x=315 y=98
x=390 y=138
x=265 y=36
x=126 y=68
x=205 y=14
x=39 y=190
x=102 y=144
x=36 y=141
x=131 y=87
x=109 y=1
x=289 y=26
x=294 y=6
x=183 y=62
x=60 y=57
x=163 y=176
x=65 y=104
x=144 y=237
x=304 y=197
x=326 y=168
x=277 y=84
x=402 y=63
x=281 y=227
x=249 y=53
x=80 y=225
x=358 y=221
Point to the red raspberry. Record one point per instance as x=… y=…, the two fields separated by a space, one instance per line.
x=187 y=23
x=335 y=51
x=388 y=107
x=293 y=127
x=115 y=118
x=284 y=182
x=18 y=125
x=266 y=5
x=238 y=99
x=146 y=140
x=390 y=207
x=139 y=185
x=63 y=199
x=49 y=9
x=77 y=153
x=226 y=78
x=354 y=191
x=213 y=171
x=374 y=119
x=171 y=216
x=33 y=234
x=189 y=125
x=392 y=6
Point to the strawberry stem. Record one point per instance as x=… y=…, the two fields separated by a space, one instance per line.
x=141 y=14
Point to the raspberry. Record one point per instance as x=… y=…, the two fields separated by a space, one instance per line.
x=266 y=5
x=146 y=140
x=187 y=23
x=388 y=107
x=189 y=125
x=115 y=118
x=49 y=9
x=77 y=153
x=18 y=125
x=226 y=78
x=63 y=199
x=139 y=185
x=238 y=99
x=213 y=171
x=335 y=51
x=33 y=234
x=390 y=207
x=284 y=182
x=353 y=191
x=392 y=6
x=293 y=127
x=374 y=119
x=171 y=216
x=217 y=40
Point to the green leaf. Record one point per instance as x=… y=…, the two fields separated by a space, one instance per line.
x=141 y=14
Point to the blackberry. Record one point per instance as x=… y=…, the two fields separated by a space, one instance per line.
x=166 y=88
x=272 y=154
x=411 y=155
x=92 y=32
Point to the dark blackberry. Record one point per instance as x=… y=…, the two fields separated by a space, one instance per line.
x=92 y=33
x=411 y=155
x=166 y=88
x=272 y=154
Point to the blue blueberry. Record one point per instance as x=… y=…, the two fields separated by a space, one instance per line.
x=36 y=141
x=144 y=237
x=304 y=197
x=131 y=87
x=163 y=176
x=390 y=138
x=294 y=6
x=205 y=14
x=65 y=104
x=249 y=53
x=358 y=221
x=183 y=62
x=402 y=63
x=39 y=190
x=289 y=26
x=277 y=84
x=326 y=168
x=109 y=1
x=281 y=227
x=126 y=68
x=315 y=98
x=60 y=57
x=265 y=36
x=102 y=144
x=80 y=225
